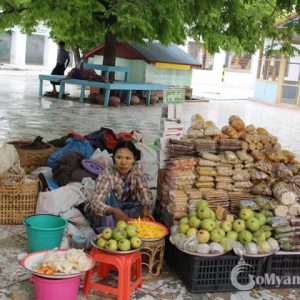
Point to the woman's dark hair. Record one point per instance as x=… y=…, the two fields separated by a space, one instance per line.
x=130 y=146
x=61 y=43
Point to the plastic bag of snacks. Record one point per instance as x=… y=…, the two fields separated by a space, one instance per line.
x=205 y=184
x=211 y=129
x=277 y=221
x=264 y=203
x=243 y=184
x=257 y=174
x=262 y=188
x=206 y=163
x=205 y=179
x=224 y=171
x=223 y=179
x=248 y=204
x=244 y=156
x=231 y=157
x=206 y=171
x=237 y=123
x=264 y=166
x=241 y=175
x=224 y=186
x=210 y=156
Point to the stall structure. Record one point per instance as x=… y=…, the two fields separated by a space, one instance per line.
x=151 y=63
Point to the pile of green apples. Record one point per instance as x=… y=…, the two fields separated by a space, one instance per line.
x=122 y=238
x=249 y=227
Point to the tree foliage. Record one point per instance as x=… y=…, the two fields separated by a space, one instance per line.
x=238 y=25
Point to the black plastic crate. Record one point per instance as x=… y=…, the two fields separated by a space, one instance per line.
x=211 y=274
x=286 y=266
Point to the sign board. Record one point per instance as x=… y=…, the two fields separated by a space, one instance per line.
x=174 y=96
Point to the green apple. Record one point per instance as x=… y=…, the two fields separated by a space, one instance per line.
x=101 y=242
x=135 y=242
x=203 y=236
x=107 y=233
x=260 y=236
x=212 y=215
x=204 y=213
x=246 y=213
x=245 y=237
x=119 y=234
x=201 y=203
x=124 y=245
x=192 y=213
x=232 y=235
x=121 y=225
x=191 y=232
x=263 y=247
x=253 y=224
x=131 y=230
x=183 y=228
x=238 y=225
x=226 y=226
x=261 y=218
x=225 y=243
x=208 y=224
x=184 y=220
x=268 y=234
x=194 y=222
x=111 y=245
x=216 y=235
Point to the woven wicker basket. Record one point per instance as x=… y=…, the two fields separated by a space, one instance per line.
x=152 y=258
x=18 y=198
x=31 y=159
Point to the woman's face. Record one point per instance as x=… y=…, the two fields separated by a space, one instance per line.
x=124 y=160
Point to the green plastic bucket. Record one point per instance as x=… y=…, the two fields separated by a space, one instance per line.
x=44 y=232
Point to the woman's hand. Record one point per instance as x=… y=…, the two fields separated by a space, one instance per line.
x=120 y=215
x=146 y=214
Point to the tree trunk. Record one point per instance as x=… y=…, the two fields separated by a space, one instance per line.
x=110 y=52
x=77 y=56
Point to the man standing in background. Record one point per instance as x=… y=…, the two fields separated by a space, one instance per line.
x=62 y=62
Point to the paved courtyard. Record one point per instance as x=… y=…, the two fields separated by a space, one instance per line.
x=24 y=115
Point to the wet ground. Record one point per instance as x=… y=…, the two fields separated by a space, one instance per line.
x=24 y=115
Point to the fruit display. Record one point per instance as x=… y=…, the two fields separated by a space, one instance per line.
x=237 y=163
x=124 y=237
x=250 y=232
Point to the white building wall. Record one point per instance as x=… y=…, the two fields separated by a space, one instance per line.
x=210 y=81
x=18 y=47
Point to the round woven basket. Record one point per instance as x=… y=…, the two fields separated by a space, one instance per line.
x=18 y=197
x=152 y=258
x=31 y=159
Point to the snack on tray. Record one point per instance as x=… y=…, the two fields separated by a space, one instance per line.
x=236 y=122
x=210 y=156
x=206 y=163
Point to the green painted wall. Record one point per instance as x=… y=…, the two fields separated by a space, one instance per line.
x=140 y=71
x=178 y=78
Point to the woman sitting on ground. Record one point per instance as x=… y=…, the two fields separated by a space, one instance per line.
x=121 y=191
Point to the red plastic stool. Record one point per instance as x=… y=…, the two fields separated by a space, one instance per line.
x=127 y=265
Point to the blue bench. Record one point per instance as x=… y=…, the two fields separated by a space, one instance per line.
x=108 y=69
x=107 y=87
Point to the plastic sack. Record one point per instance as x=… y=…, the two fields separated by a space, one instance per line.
x=103 y=158
x=59 y=200
x=72 y=144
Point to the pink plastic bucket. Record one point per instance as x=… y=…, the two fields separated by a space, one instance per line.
x=56 y=289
